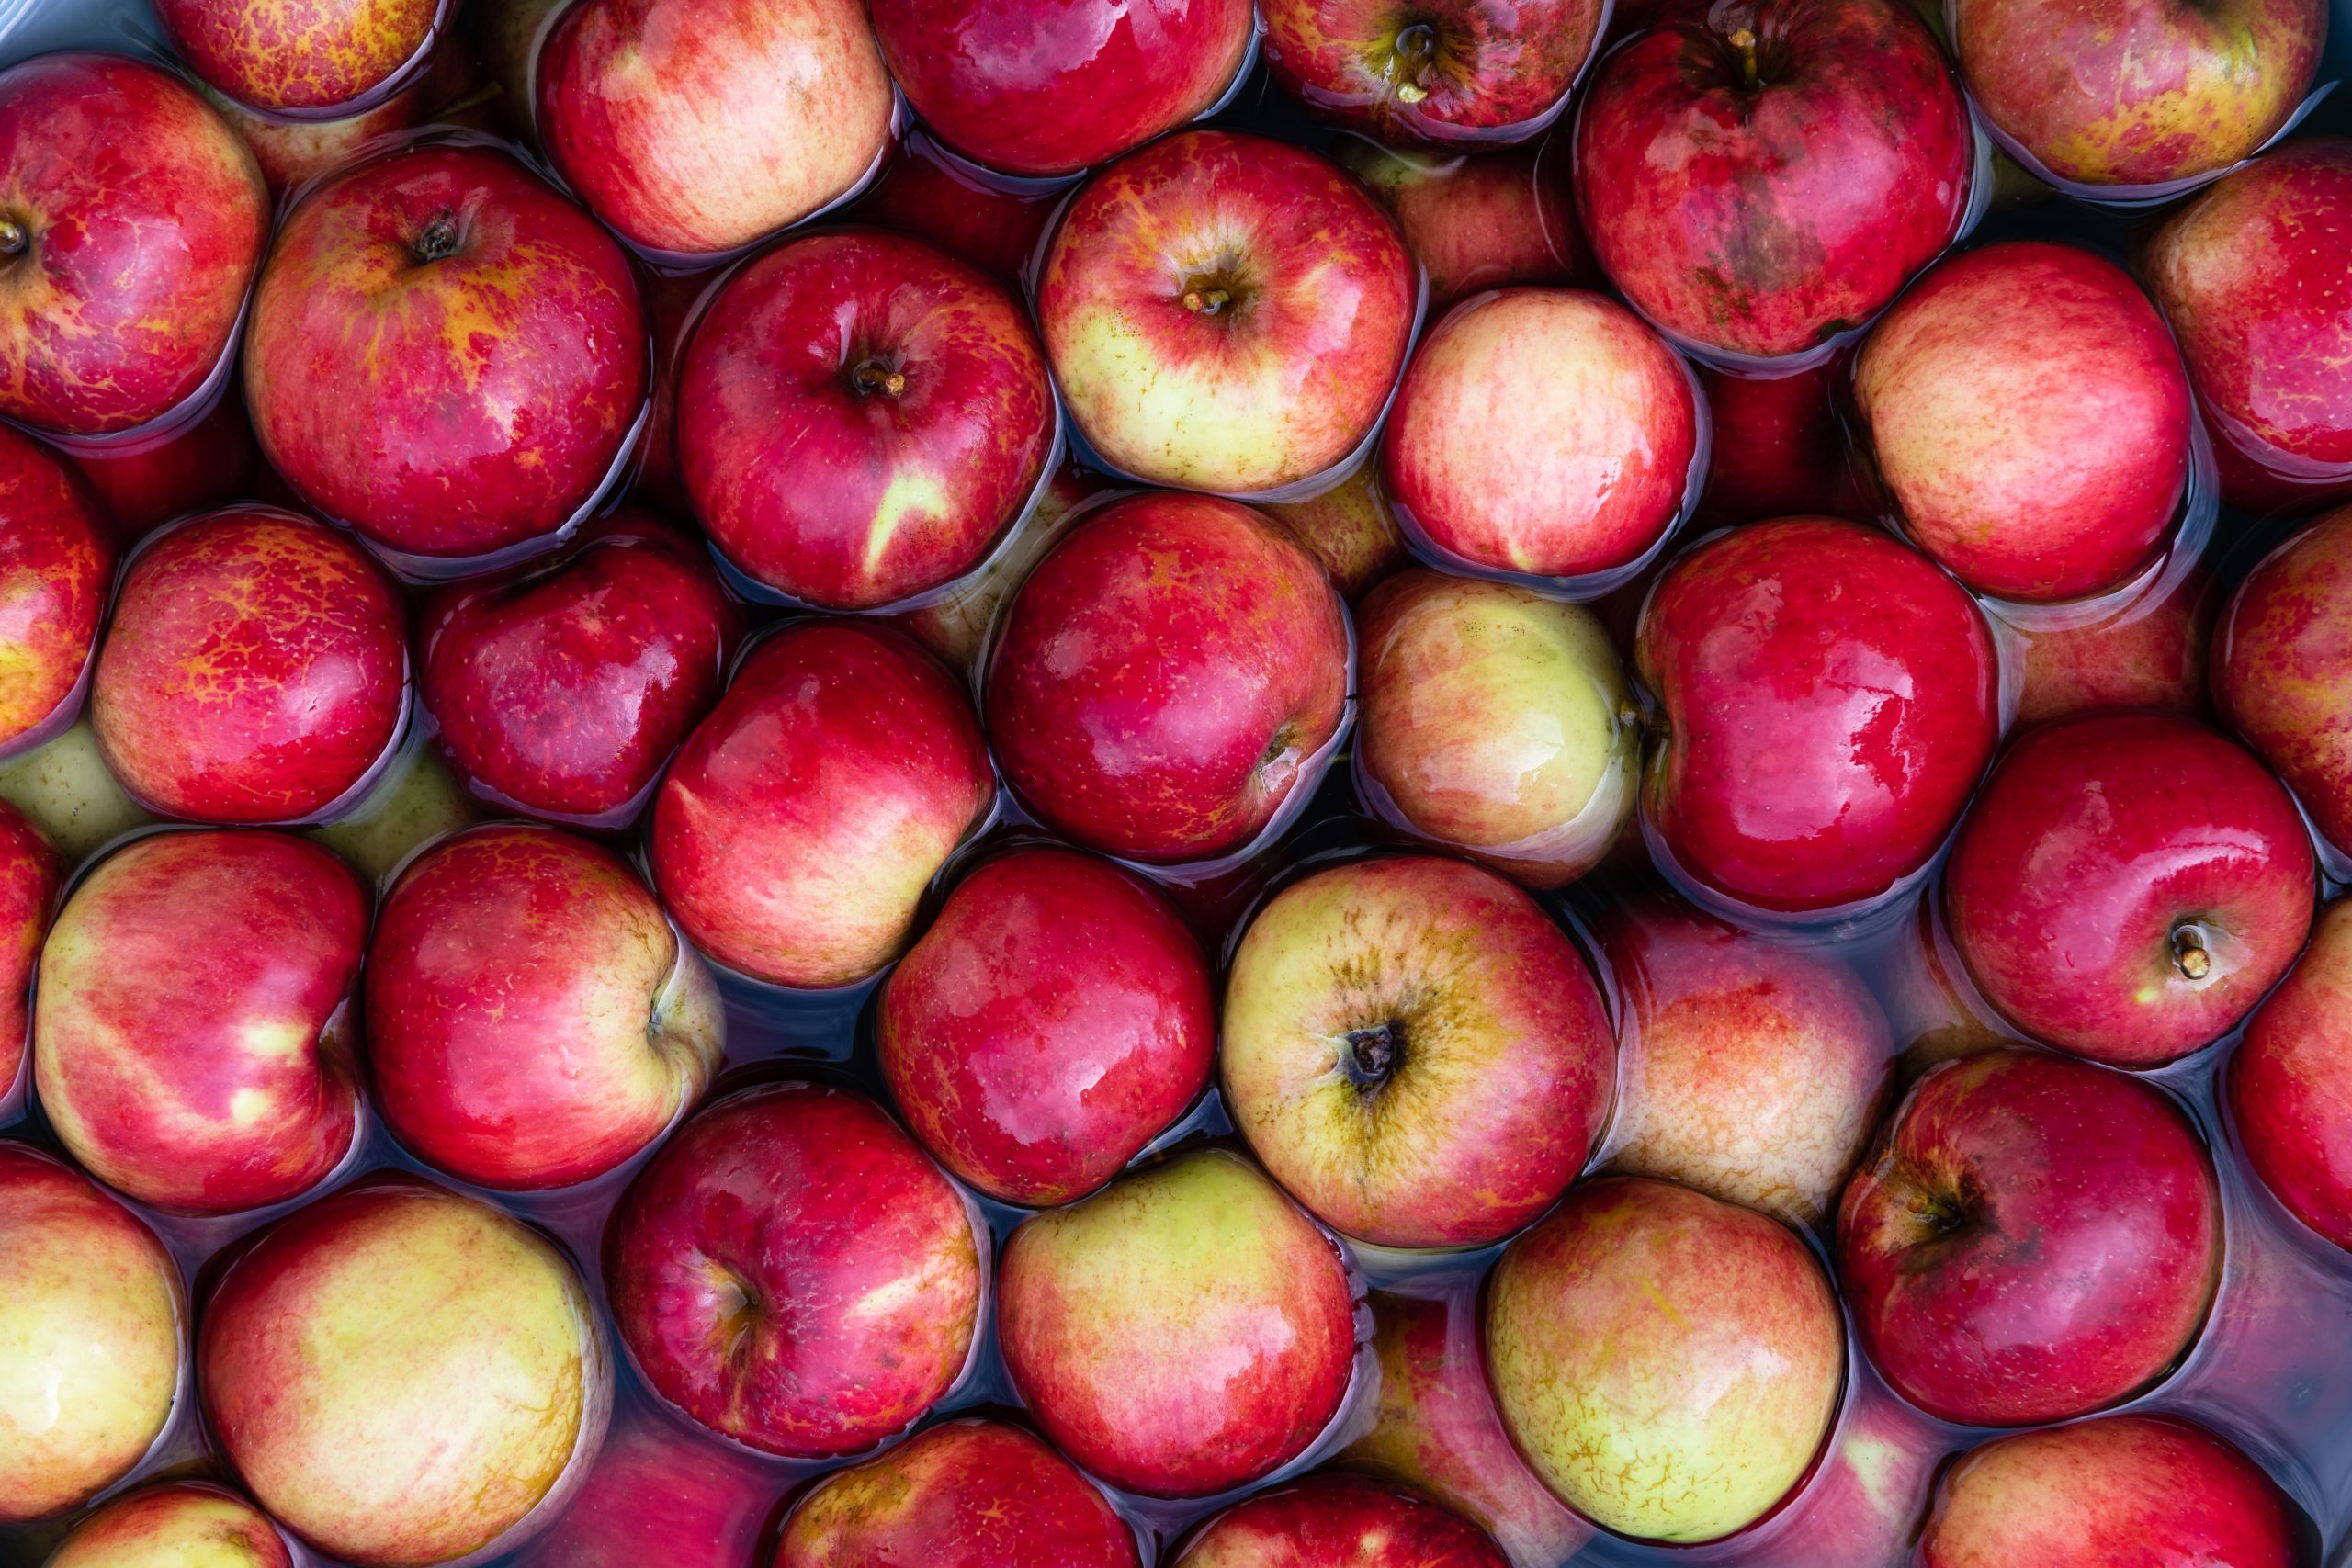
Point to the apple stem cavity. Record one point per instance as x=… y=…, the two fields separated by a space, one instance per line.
x=439 y=240
x=1743 y=44
x=878 y=377
x=1416 y=46
x=1368 y=1057
x=13 y=238
x=2189 y=954
x=1207 y=301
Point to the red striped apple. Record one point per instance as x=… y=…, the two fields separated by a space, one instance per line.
x=31 y=873
x=1481 y=221
x=2148 y=652
x=1338 y=1521
x=2281 y=655
x=190 y=1523
x=2289 y=1084
x=56 y=575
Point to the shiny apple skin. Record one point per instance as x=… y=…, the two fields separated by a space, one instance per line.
x=2281 y=655
x=31 y=875
x=1488 y=75
x=2140 y=1489
x=490 y=389
x=293 y=150
x=1776 y=446
x=1058 y=1015
x=91 y=1322
x=2149 y=653
x=1749 y=1070
x=966 y=1494
x=955 y=625
x=1492 y=1065
x=811 y=474
x=697 y=128
x=1544 y=431
x=1765 y=220
x=205 y=466
x=2251 y=277
x=180 y=1524
x=526 y=1065
x=1668 y=1363
x=660 y=1498
x=1034 y=88
x=792 y=1272
x=1477 y=222
x=1831 y=701
x=2030 y=417
x=145 y=217
x=305 y=56
x=56 y=575
x=2137 y=92
x=565 y=684
x=1351 y=528
x=804 y=817
x=1158 y=685
x=1274 y=385
x=402 y=1375
x=181 y=1041
x=2034 y=1238
x=255 y=669
x=1434 y=1429
x=929 y=193
x=1180 y=1333
x=2289 y=1083
x=1340 y=1521
x=2096 y=843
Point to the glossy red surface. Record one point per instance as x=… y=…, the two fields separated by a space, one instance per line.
x=2291 y=1083
x=861 y=417
x=1830 y=705
x=56 y=575
x=144 y=219
x=1759 y=177
x=2035 y=1238
x=564 y=685
x=1430 y=74
x=2283 y=654
x=444 y=353
x=793 y=1272
x=1778 y=447
x=1340 y=1521
x=1056 y=1017
x=31 y=875
x=2129 y=886
x=298 y=55
x=1159 y=684
x=661 y=1498
x=143 y=483
x=1479 y=222
x=929 y=192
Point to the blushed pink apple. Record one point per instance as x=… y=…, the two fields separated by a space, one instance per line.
x=1668 y=1363
x=1340 y=1521
x=2030 y=417
x=143 y=481
x=1225 y=313
x=2127 y=886
x=2281 y=652
x=56 y=575
x=1351 y=528
x=305 y=58
x=1543 y=431
x=2146 y=653
x=1183 y=1331
x=954 y=625
x=30 y=876
x=2035 y=1238
x=1862 y=1508
x=1432 y=74
x=1159 y=683
x=2289 y=1084
x=190 y=1043
x=1477 y=222
x=91 y=1322
x=793 y=1273
x=929 y=192
x=803 y=818
x=178 y=1524
x=660 y=1498
x=402 y=1375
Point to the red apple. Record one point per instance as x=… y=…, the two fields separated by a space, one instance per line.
x=2250 y=274
x=1038 y=89
x=302 y=59
x=929 y=192
x=671 y=302
x=1415 y=1051
x=91 y=1324
x=803 y=818
x=1749 y=1071
x=1478 y=222
x=1776 y=446
x=502 y=365
x=2034 y=1238
x=56 y=574
x=1763 y=177
x=1166 y=677
x=2281 y=654
x=255 y=669
x=661 y=1498
x=1351 y=528
x=2148 y=652
x=1434 y=1429
x=1862 y=1510
x=404 y=1376
x=1225 y=313
x=2153 y=1490
x=955 y=625
x=794 y=1274
x=190 y=1046
x=143 y=481
x=293 y=151
x=698 y=126
x=2129 y=886
x=861 y=417
x=1453 y=72
x=2291 y=1084
x=135 y=219
x=2137 y=92
x=1543 y=431
x=1056 y=1016
x=966 y=1494
x=1182 y=1332
x=1830 y=702
x=180 y=1522
x=2030 y=418
x=1669 y=1364
x=30 y=876
x=1338 y=1521
x=563 y=686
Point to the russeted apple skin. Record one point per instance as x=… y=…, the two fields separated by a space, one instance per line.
x=1340 y=1521
x=179 y=1524
x=305 y=55
x=2289 y=1083
x=2282 y=652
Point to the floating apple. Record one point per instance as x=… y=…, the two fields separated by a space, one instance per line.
x=146 y=480
x=2034 y=1239
x=135 y=219
x=1777 y=445
x=803 y=818
x=660 y=1498
x=1340 y=1521
x=2281 y=654
x=2030 y=418
x=66 y=788
x=2146 y=653
x=304 y=60
x=30 y=876
x=929 y=192
x=1225 y=313
x=293 y=151
x=56 y=572
x=955 y=625
x=180 y=1522
x=1437 y=75
x=2291 y=1083
x=1351 y=528
x=1182 y=1332
x=1477 y=222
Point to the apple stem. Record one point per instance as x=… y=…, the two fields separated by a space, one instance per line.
x=1368 y=1057
x=1207 y=301
x=439 y=241
x=2189 y=954
x=874 y=377
x=12 y=237
x=1743 y=42
x=1415 y=48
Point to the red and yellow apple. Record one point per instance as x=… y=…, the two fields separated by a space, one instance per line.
x=1351 y=528
x=291 y=152
x=30 y=876
x=2281 y=655
x=56 y=574
x=955 y=625
x=304 y=57
x=178 y=1524
x=1432 y=72
x=1338 y=1521
x=1481 y=221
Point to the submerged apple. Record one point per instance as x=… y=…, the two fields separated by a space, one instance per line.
x=56 y=575
x=180 y=1524
x=2148 y=652
x=1351 y=527
x=1338 y=1521
x=2283 y=654
x=2289 y=1083
x=30 y=876
x=1480 y=221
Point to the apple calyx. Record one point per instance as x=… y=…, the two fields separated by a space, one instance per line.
x=13 y=237
x=1409 y=58
x=877 y=376
x=2189 y=955
x=1369 y=1056
x=1933 y=1208
x=735 y=1309
x=439 y=240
